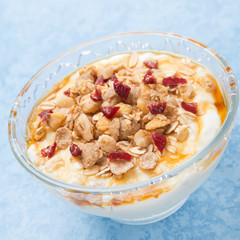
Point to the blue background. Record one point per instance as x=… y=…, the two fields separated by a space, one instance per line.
x=34 y=32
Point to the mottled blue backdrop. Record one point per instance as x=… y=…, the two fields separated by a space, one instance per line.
x=34 y=32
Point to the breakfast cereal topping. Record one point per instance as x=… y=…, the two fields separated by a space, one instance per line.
x=75 y=150
x=119 y=155
x=148 y=161
x=43 y=114
x=121 y=89
x=159 y=140
x=67 y=92
x=125 y=119
x=100 y=81
x=157 y=108
x=63 y=137
x=149 y=78
x=96 y=95
x=151 y=64
x=49 y=150
x=173 y=81
x=109 y=111
x=120 y=167
x=190 y=107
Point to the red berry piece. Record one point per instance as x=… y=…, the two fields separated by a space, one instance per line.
x=159 y=140
x=75 y=150
x=190 y=107
x=49 y=150
x=151 y=64
x=119 y=155
x=157 y=108
x=149 y=78
x=173 y=81
x=67 y=92
x=121 y=89
x=109 y=111
x=100 y=81
x=113 y=78
x=43 y=114
x=96 y=95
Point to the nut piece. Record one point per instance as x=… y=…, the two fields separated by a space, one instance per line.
x=47 y=105
x=107 y=143
x=207 y=82
x=133 y=60
x=55 y=120
x=53 y=164
x=106 y=72
x=88 y=105
x=118 y=167
x=83 y=127
x=182 y=133
x=148 y=161
x=90 y=154
x=124 y=109
x=92 y=170
x=142 y=138
x=160 y=121
x=103 y=124
x=40 y=133
x=64 y=101
x=63 y=137
x=172 y=127
x=137 y=151
x=142 y=105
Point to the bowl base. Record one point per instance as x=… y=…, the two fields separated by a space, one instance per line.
x=154 y=218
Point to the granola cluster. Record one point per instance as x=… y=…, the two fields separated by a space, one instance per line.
x=117 y=117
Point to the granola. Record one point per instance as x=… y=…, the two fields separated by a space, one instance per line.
x=122 y=119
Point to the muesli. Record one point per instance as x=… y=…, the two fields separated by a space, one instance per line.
x=124 y=119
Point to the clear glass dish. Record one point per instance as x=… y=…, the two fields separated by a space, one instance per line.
x=146 y=201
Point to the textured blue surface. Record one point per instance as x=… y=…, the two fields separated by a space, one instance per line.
x=34 y=32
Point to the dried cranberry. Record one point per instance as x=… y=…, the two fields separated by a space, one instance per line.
x=43 y=115
x=119 y=155
x=100 y=81
x=49 y=150
x=121 y=89
x=113 y=77
x=109 y=111
x=149 y=78
x=159 y=140
x=96 y=95
x=190 y=107
x=173 y=81
x=151 y=64
x=67 y=92
x=75 y=150
x=157 y=108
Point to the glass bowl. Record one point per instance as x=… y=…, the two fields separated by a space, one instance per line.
x=146 y=201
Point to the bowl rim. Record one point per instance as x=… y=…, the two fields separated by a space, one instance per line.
x=26 y=163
